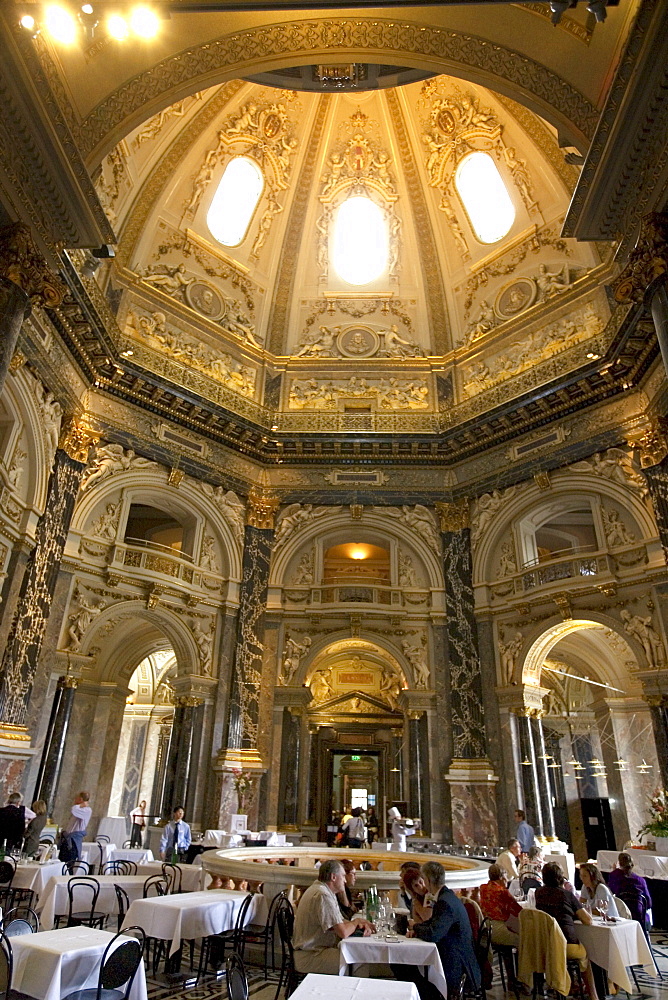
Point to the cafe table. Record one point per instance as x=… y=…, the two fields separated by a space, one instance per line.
x=193 y=877
x=615 y=947
x=32 y=875
x=54 y=899
x=318 y=987
x=185 y=916
x=393 y=948
x=51 y=964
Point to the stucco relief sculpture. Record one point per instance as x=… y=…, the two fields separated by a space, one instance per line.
x=321 y=685
x=16 y=467
x=187 y=350
x=272 y=209
x=303 y=575
x=81 y=620
x=485 y=509
x=110 y=459
x=616 y=532
x=356 y=342
x=51 y=413
x=420 y=520
x=295 y=516
x=507 y=560
x=320 y=343
x=390 y=687
x=151 y=128
x=292 y=655
x=113 y=176
x=539 y=345
x=106 y=525
x=643 y=630
x=232 y=508
x=208 y=559
x=508 y=653
x=390 y=393
x=407 y=576
x=417 y=657
x=616 y=465
x=204 y=642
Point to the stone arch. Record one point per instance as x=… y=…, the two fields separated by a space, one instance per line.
x=606 y=665
x=359 y=39
x=19 y=398
x=523 y=499
x=152 y=486
x=335 y=642
x=374 y=521
x=130 y=625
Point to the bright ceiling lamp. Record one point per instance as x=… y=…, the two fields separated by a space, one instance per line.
x=360 y=251
x=117 y=27
x=60 y=24
x=144 y=22
x=485 y=198
x=235 y=201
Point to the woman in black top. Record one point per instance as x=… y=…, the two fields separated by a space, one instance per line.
x=563 y=905
x=348 y=906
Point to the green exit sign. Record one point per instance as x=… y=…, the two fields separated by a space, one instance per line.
x=355 y=757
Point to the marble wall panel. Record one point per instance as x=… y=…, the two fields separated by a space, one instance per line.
x=474 y=814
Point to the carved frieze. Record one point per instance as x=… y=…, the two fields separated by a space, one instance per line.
x=384 y=393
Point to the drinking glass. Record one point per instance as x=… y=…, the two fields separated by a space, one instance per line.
x=603 y=907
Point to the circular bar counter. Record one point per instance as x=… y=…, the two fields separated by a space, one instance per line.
x=242 y=862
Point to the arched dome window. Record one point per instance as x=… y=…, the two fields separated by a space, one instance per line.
x=484 y=197
x=235 y=201
x=360 y=251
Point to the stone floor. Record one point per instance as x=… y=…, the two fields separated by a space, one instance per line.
x=652 y=989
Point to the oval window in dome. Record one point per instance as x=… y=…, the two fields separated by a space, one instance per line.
x=360 y=250
x=484 y=197
x=235 y=200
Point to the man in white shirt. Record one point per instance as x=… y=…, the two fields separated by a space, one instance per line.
x=74 y=830
x=320 y=925
x=507 y=859
x=175 y=837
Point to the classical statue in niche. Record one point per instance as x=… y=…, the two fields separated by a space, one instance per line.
x=82 y=619
x=650 y=640
x=304 y=573
x=106 y=524
x=518 y=169
x=508 y=653
x=292 y=654
x=406 y=571
x=616 y=532
x=321 y=685
x=417 y=657
x=208 y=558
x=204 y=642
x=390 y=687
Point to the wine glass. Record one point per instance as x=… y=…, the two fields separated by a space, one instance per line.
x=603 y=907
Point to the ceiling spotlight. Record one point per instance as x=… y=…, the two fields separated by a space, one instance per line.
x=117 y=27
x=597 y=8
x=60 y=24
x=87 y=8
x=144 y=22
x=27 y=22
x=558 y=7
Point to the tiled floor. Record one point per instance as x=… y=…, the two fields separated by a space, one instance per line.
x=652 y=989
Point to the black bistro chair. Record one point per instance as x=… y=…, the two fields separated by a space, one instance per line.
x=84 y=890
x=288 y=977
x=6 y=970
x=263 y=933
x=20 y=920
x=236 y=979
x=7 y=872
x=119 y=868
x=213 y=948
x=122 y=903
x=155 y=885
x=174 y=876
x=118 y=970
x=76 y=868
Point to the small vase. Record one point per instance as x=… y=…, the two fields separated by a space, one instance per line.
x=661 y=846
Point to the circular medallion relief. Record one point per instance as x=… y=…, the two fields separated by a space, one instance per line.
x=445 y=121
x=515 y=298
x=205 y=299
x=358 y=342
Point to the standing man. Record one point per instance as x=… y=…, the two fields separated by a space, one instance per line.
x=449 y=929
x=175 y=837
x=320 y=925
x=507 y=860
x=525 y=833
x=138 y=817
x=75 y=830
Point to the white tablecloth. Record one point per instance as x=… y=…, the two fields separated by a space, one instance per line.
x=615 y=947
x=645 y=863
x=193 y=915
x=54 y=899
x=51 y=964
x=96 y=854
x=219 y=838
x=406 y=951
x=117 y=828
x=140 y=855
x=566 y=862
x=193 y=878
x=317 y=987
x=30 y=875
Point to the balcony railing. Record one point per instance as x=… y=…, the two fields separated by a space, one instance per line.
x=358 y=593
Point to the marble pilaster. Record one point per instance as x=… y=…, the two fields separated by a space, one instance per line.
x=183 y=754
x=290 y=762
x=54 y=742
x=544 y=785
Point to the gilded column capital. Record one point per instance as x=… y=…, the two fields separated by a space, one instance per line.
x=261 y=510
x=454 y=516
x=188 y=701
x=647 y=262
x=23 y=265
x=653 y=445
x=78 y=437
x=67 y=681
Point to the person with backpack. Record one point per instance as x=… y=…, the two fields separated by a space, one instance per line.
x=354 y=831
x=630 y=888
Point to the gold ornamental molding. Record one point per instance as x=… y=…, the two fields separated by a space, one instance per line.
x=653 y=445
x=14 y=734
x=23 y=264
x=78 y=437
x=188 y=701
x=241 y=759
x=261 y=510
x=454 y=516
x=245 y=52
x=648 y=261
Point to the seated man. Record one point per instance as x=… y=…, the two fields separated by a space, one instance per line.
x=320 y=925
x=508 y=859
x=450 y=930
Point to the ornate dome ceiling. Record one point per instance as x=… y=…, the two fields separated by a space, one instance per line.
x=451 y=326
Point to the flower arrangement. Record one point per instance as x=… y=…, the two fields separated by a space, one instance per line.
x=244 y=784
x=658 y=810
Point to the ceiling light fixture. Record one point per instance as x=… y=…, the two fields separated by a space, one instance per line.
x=117 y=27
x=60 y=24
x=144 y=22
